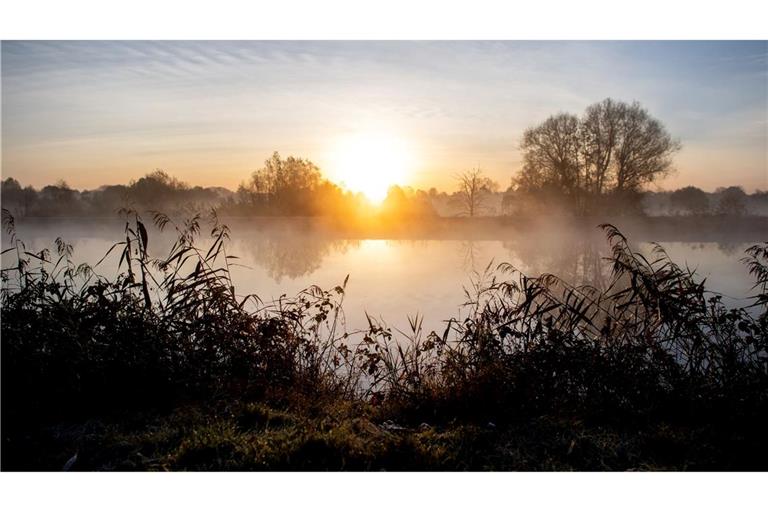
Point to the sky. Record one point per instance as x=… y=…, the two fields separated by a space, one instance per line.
x=210 y=113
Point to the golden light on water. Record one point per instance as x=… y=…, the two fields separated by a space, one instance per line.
x=371 y=163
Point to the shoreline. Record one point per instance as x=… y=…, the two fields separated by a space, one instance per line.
x=644 y=229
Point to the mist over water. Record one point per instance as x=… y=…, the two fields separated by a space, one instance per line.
x=391 y=279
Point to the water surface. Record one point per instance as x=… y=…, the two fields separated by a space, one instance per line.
x=391 y=279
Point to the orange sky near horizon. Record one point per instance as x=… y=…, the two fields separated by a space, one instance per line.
x=210 y=113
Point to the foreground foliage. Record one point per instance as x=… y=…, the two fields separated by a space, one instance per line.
x=167 y=367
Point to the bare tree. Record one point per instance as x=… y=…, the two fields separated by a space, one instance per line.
x=614 y=148
x=599 y=135
x=645 y=150
x=551 y=155
x=474 y=189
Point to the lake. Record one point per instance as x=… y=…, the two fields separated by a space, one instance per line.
x=391 y=278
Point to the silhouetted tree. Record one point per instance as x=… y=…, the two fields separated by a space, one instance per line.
x=599 y=135
x=604 y=157
x=12 y=196
x=690 y=199
x=733 y=201
x=110 y=198
x=645 y=149
x=58 y=199
x=551 y=155
x=474 y=188
x=282 y=186
x=404 y=202
x=156 y=188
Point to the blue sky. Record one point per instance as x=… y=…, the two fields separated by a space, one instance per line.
x=210 y=112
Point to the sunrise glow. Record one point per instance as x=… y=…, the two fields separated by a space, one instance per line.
x=370 y=163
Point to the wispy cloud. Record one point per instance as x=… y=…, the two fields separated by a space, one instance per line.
x=123 y=103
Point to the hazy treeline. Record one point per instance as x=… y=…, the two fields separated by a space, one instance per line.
x=156 y=190
x=694 y=201
x=601 y=162
x=282 y=187
x=159 y=191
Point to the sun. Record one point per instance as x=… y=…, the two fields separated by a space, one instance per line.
x=371 y=163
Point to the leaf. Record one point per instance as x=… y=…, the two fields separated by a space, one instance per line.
x=108 y=252
x=143 y=235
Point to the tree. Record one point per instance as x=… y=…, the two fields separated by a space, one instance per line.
x=156 y=189
x=645 y=149
x=110 y=198
x=551 y=155
x=690 y=199
x=404 y=203
x=58 y=199
x=284 y=176
x=612 y=151
x=282 y=186
x=12 y=196
x=507 y=203
x=599 y=135
x=733 y=201
x=474 y=189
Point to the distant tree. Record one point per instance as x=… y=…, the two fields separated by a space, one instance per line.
x=58 y=199
x=59 y=192
x=12 y=196
x=30 y=197
x=690 y=199
x=283 y=186
x=551 y=155
x=645 y=150
x=396 y=200
x=758 y=202
x=733 y=201
x=279 y=176
x=611 y=152
x=108 y=199
x=156 y=188
x=10 y=185
x=404 y=202
x=507 y=204
x=599 y=136
x=474 y=189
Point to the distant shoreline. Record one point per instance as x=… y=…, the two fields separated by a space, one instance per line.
x=650 y=228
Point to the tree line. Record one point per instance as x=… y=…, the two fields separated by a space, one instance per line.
x=155 y=190
x=281 y=187
x=600 y=162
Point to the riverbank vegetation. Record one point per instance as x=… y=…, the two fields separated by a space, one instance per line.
x=168 y=367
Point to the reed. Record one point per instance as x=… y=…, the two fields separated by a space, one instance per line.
x=654 y=345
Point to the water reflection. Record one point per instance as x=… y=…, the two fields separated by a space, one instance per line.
x=391 y=279
x=472 y=256
x=731 y=248
x=292 y=256
x=578 y=260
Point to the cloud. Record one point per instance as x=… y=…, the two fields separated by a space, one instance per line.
x=460 y=100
